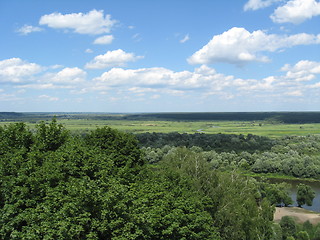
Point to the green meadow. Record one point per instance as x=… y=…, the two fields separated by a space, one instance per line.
x=262 y=128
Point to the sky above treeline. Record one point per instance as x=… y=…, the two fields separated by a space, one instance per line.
x=159 y=56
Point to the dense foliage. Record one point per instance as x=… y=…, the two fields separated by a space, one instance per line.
x=288 y=229
x=292 y=156
x=54 y=185
x=217 y=142
x=57 y=186
x=305 y=195
x=284 y=117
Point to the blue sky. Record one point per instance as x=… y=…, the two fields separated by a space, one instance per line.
x=159 y=56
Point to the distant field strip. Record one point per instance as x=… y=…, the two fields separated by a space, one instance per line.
x=208 y=127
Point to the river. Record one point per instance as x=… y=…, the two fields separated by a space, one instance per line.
x=293 y=191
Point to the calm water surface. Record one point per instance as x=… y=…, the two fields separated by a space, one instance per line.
x=294 y=183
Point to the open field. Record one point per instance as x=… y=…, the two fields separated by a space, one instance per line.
x=263 y=124
x=210 y=127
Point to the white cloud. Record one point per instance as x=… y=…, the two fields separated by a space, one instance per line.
x=303 y=65
x=156 y=96
x=16 y=70
x=146 y=78
x=239 y=46
x=107 y=39
x=9 y=97
x=116 y=58
x=48 y=98
x=26 y=29
x=56 y=66
x=296 y=93
x=294 y=82
x=302 y=71
x=38 y=86
x=136 y=37
x=141 y=90
x=257 y=4
x=296 y=11
x=69 y=76
x=93 y=22
x=88 y=50
x=186 y=38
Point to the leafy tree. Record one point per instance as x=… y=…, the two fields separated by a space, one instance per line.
x=117 y=145
x=49 y=137
x=288 y=227
x=290 y=238
x=236 y=210
x=305 y=195
x=316 y=235
x=15 y=137
x=302 y=235
x=278 y=194
x=277 y=232
x=308 y=227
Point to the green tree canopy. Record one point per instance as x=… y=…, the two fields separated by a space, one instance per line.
x=67 y=187
x=288 y=227
x=305 y=195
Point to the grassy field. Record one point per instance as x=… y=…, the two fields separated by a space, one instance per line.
x=210 y=127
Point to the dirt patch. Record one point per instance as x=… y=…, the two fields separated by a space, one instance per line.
x=299 y=214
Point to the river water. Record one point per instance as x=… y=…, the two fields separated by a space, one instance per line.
x=293 y=190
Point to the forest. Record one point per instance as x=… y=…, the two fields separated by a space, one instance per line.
x=283 y=117
x=108 y=184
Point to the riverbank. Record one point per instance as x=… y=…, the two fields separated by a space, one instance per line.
x=300 y=215
x=279 y=177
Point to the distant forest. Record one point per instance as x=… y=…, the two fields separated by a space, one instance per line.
x=278 y=117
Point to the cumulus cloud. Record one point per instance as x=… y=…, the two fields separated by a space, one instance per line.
x=27 y=29
x=297 y=80
x=302 y=71
x=303 y=66
x=17 y=70
x=203 y=77
x=239 y=46
x=93 y=22
x=116 y=58
x=296 y=11
x=257 y=4
x=69 y=76
x=107 y=39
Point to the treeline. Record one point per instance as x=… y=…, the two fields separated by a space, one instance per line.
x=216 y=142
x=54 y=185
x=283 y=117
x=272 y=117
x=291 y=156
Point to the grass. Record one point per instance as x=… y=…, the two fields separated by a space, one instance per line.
x=277 y=176
x=273 y=130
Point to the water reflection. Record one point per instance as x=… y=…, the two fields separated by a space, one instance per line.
x=293 y=190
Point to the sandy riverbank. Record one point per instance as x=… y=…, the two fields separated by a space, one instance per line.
x=299 y=214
